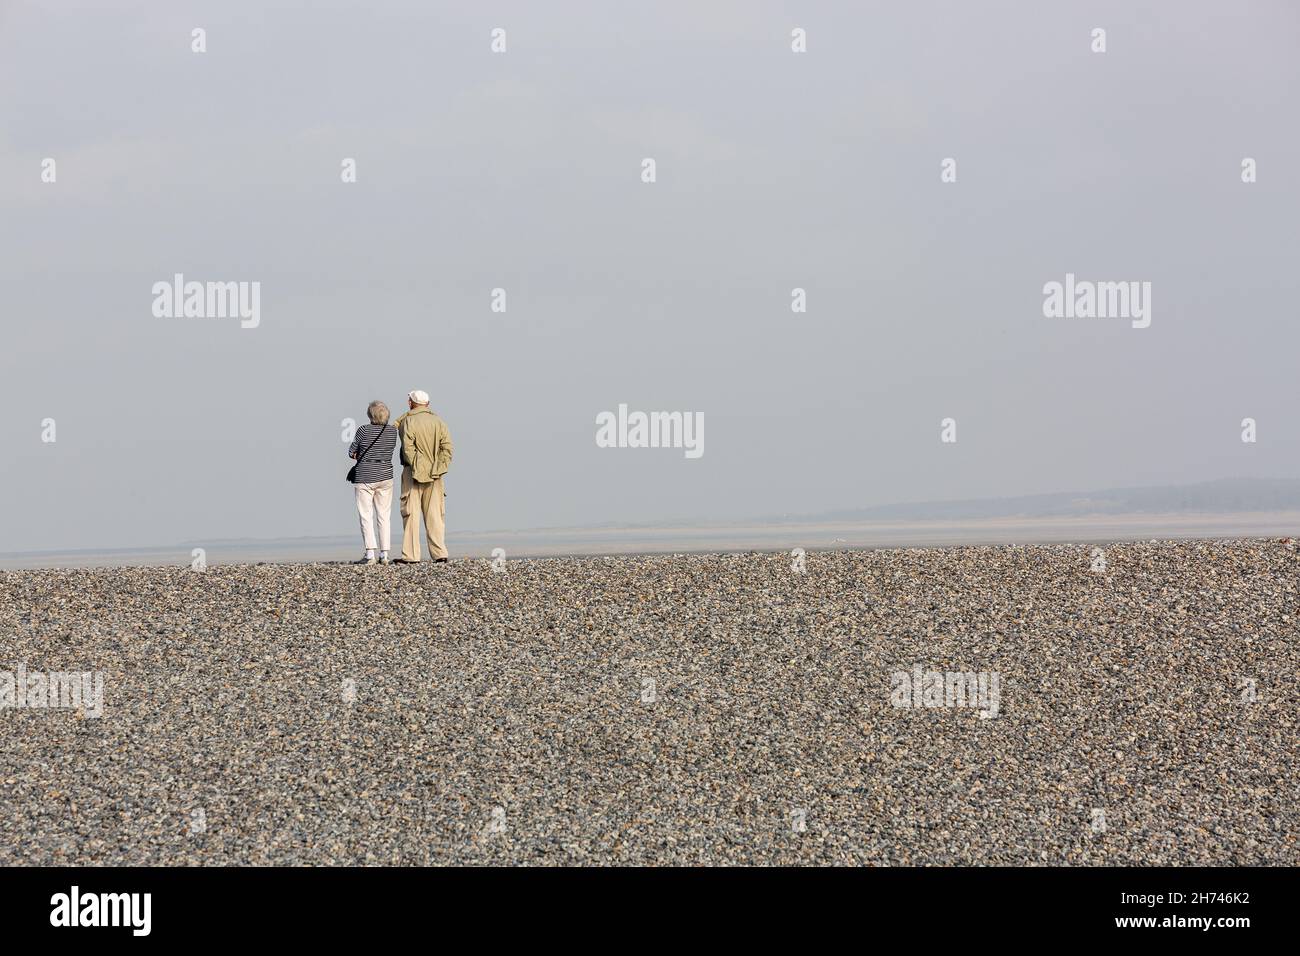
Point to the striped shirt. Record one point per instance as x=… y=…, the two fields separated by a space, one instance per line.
x=378 y=463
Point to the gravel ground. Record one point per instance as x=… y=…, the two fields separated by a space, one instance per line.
x=326 y=714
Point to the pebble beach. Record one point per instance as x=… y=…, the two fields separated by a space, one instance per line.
x=714 y=709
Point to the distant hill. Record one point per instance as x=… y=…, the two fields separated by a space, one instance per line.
x=1225 y=496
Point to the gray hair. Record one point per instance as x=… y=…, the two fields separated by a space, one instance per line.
x=377 y=412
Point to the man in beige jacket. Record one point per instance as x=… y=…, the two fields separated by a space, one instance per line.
x=426 y=456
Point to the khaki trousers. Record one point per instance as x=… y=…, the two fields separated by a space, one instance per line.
x=422 y=498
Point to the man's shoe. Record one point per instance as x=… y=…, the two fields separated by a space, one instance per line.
x=367 y=561
x=440 y=560
x=405 y=561
x=383 y=561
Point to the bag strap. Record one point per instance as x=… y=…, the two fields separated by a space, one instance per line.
x=382 y=429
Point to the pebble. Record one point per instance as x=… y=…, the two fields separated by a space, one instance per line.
x=669 y=709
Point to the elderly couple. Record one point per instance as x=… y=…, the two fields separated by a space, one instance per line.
x=426 y=456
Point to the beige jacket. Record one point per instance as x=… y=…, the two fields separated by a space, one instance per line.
x=426 y=444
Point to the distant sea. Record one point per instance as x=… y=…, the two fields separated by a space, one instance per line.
x=812 y=535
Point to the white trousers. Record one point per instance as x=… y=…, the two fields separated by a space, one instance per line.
x=376 y=496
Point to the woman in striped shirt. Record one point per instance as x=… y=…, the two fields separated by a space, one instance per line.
x=373 y=448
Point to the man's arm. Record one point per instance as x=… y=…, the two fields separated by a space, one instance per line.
x=443 y=458
x=408 y=447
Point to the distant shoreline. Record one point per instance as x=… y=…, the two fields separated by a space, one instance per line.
x=723 y=538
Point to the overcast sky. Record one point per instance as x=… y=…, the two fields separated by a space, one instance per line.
x=522 y=170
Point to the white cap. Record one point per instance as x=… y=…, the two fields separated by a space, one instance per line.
x=419 y=397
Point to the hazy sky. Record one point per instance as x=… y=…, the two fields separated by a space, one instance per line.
x=523 y=170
